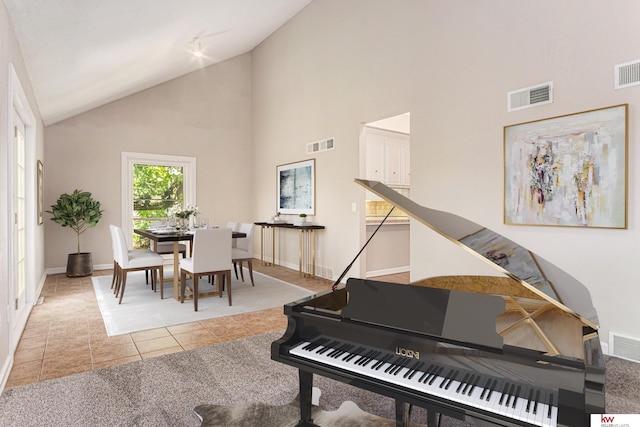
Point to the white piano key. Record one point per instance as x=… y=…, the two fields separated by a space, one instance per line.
x=435 y=380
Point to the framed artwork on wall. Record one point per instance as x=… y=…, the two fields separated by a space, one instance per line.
x=296 y=187
x=568 y=170
x=40 y=184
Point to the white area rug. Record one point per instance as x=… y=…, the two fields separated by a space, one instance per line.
x=142 y=309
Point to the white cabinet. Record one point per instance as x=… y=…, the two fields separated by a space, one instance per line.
x=387 y=157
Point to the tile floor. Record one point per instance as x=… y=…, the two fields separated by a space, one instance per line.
x=65 y=334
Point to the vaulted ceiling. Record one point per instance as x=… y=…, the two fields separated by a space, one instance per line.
x=81 y=54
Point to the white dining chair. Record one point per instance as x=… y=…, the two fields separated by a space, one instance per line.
x=242 y=251
x=134 y=261
x=166 y=248
x=211 y=257
x=114 y=248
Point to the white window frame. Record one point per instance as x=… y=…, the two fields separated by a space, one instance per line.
x=129 y=159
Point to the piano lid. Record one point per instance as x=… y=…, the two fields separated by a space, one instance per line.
x=530 y=270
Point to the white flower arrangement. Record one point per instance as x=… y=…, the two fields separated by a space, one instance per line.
x=177 y=211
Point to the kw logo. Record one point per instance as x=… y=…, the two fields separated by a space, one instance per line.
x=408 y=353
x=605 y=419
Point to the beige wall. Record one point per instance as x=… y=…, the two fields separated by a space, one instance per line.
x=340 y=63
x=10 y=325
x=205 y=114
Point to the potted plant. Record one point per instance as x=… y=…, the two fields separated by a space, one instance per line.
x=303 y=218
x=78 y=211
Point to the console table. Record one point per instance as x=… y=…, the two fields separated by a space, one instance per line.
x=307 y=263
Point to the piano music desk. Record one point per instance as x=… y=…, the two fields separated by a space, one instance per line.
x=307 y=239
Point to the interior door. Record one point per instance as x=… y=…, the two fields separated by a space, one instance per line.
x=18 y=226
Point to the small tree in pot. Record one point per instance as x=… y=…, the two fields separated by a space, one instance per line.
x=78 y=211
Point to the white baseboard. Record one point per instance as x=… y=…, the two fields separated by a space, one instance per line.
x=60 y=270
x=6 y=370
x=388 y=271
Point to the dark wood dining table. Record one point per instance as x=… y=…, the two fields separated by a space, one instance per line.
x=175 y=237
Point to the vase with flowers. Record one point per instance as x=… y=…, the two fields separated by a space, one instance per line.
x=181 y=215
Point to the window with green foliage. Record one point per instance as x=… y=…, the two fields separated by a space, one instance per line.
x=156 y=188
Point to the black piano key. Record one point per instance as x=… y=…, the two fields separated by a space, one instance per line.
x=492 y=388
x=505 y=388
x=552 y=403
x=510 y=396
x=426 y=373
x=516 y=396
x=355 y=353
x=365 y=358
x=530 y=401
x=463 y=384
x=445 y=378
x=327 y=347
x=392 y=364
x=535 y=402
x=452 y=378
x=398 y=367
x=486 y=389
x=435 y=375
x=315 y=344
x=413 y=371
x=342 y=350
x=474 y=385
x=381 y=362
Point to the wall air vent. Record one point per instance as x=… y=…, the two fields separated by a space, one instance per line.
x=324 y=145
x=627 y=74
x=624 y=347
x=531 y=96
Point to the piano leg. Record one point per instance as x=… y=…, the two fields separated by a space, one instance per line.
x=306 y=389
x=403 y=418
x=401 y=414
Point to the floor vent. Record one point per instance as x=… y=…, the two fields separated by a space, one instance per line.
x=324 y=145
x=627 y=74
x=531 y=96
x=624 y=347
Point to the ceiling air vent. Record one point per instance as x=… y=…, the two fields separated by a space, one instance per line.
x=531 y=96
x=627 y=74
x=624 y=347
x=324 y=145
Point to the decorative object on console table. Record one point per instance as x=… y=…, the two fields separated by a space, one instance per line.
x=276 y=219
x=296 y=187
x=77 y=211
x=302 y=221
x=568 y=171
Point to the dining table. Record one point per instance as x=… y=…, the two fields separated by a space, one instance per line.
x=175 y=236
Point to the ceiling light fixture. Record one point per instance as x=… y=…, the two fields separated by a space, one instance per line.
x=197 y=50
x=196 y=47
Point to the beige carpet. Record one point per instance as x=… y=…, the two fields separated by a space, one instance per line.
x=164 y=391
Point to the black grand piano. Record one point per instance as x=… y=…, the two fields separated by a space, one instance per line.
x=517 y=350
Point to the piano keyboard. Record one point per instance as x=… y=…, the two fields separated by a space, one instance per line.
x=510 y=399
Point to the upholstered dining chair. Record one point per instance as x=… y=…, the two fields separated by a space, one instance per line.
x=166 y=248
x=211 y=257
x=242 y=251
x=134 y=260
